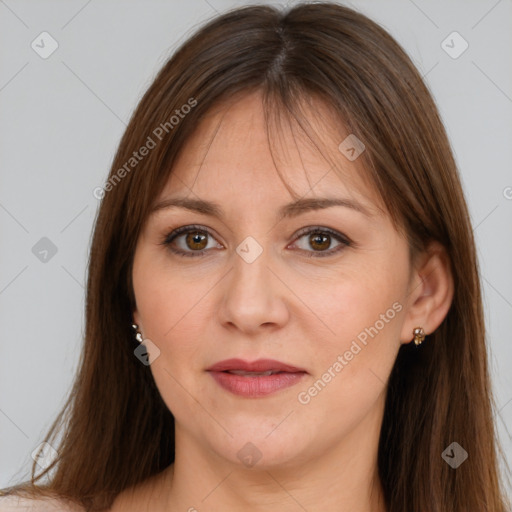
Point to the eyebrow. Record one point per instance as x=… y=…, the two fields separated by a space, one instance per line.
x=287 y=211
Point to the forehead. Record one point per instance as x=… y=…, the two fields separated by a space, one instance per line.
x=235 y=151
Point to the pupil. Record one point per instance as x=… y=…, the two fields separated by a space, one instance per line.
x=317 y=240
x=195 y=239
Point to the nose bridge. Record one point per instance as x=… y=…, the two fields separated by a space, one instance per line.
x=250 y=273
x=251 y=297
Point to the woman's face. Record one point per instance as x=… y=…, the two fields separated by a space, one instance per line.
x=250 y=284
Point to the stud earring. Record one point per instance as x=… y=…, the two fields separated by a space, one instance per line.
x=138 y=334
x=419 y=335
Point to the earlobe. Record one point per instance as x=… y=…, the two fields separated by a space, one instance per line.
x=136 y=320
x=430 y=293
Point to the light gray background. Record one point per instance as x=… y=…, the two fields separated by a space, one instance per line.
x=62 y=118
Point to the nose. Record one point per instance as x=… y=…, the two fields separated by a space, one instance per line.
x=254 y=298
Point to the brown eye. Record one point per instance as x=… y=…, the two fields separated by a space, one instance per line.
x=190 y=241
x=196 y=240
x=320 y=240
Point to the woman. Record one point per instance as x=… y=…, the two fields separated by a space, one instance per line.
x=283 y=302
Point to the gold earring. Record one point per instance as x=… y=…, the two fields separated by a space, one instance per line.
x=419 y=335
x=138 y=334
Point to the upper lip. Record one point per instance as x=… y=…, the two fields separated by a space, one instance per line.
x=260 y=365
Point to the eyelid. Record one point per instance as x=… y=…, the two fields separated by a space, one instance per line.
x=175 y=233
x=344 y=240
x=340 y=237
x=185 y=229
x=323 y=229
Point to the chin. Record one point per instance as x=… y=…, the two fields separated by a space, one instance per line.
x=263 y=448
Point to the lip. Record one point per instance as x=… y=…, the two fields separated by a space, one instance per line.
x=255 y=386
x=261 y=365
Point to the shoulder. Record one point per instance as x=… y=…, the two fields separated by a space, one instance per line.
x=20 y=504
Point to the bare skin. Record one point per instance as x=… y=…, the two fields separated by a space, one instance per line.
x=317 y=451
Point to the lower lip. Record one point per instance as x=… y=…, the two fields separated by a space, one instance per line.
x=258 y=386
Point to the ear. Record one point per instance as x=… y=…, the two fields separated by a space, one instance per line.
x=136 y=318
x=430 y=292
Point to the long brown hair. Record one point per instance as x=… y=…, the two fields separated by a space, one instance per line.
x=117 y=431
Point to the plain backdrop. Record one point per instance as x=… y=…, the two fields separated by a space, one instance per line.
x=62 y=117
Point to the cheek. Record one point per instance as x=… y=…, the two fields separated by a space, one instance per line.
x=361 y=306
x=175 y=321
x=168 y=299
x=173 y=316
x=362 y=314
x=351 y=369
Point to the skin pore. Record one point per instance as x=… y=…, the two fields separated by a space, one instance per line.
x=316 y=454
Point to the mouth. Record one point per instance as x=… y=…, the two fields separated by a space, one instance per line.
x=252 y=374
x=255 y=379
x=259 y=366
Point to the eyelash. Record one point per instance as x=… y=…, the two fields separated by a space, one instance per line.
x=344 y=241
